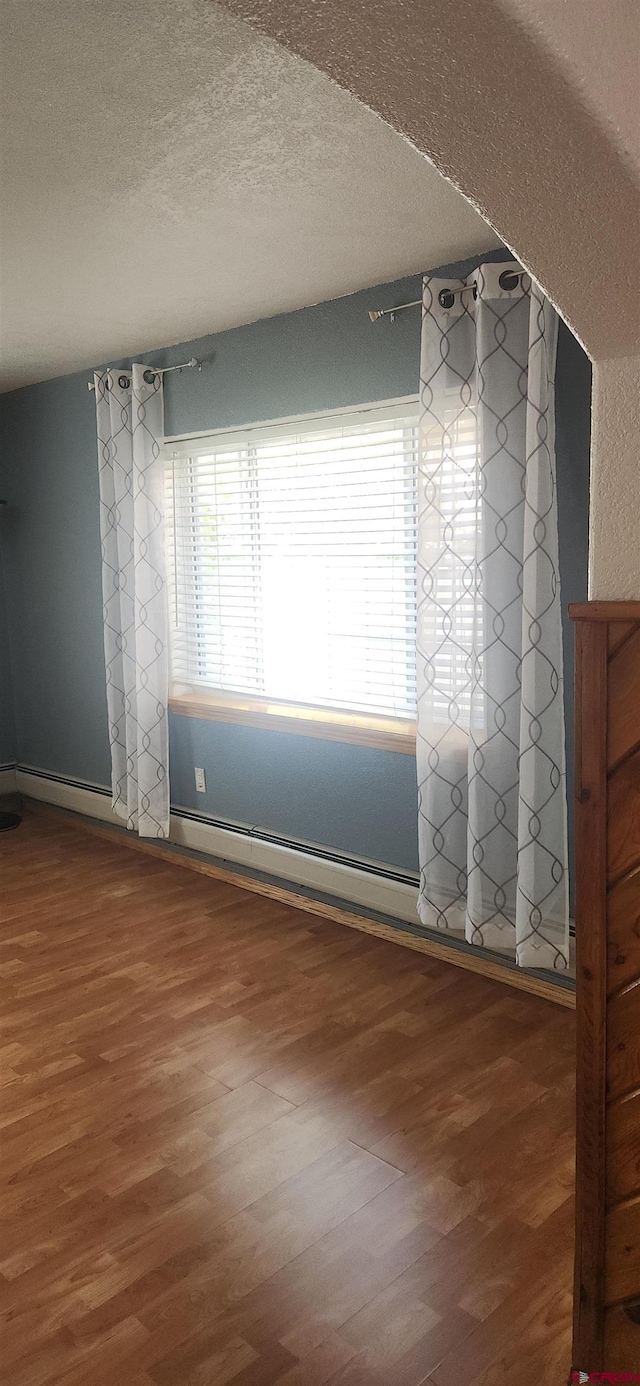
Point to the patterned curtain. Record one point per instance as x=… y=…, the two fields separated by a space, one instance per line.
x=130 y=437
x=491 y=757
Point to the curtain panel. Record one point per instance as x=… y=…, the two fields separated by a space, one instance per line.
x=490 y=743
x=129 y=408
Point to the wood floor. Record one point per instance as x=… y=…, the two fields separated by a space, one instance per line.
x=243 y=1144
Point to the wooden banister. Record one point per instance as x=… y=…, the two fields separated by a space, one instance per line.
x=607 y=1278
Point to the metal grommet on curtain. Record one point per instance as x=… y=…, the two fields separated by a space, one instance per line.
x=124 y=382
x=149 y=377
x=509 y=279
x=446 y=298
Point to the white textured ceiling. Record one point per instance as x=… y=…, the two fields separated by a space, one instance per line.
x=515 y=109
x=168 y=172
x=599 y=50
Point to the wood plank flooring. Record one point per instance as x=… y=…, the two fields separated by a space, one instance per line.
x=245 y=1145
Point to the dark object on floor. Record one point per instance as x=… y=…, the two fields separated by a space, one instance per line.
x=8 y=821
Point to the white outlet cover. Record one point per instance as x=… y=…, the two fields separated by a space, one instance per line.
x=201 y=783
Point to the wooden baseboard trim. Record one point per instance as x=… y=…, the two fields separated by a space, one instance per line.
x=484 y=967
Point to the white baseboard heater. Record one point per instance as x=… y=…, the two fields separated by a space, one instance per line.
x=380 y=888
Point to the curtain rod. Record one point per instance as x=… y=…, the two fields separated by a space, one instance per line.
x=505 y=280
x=157 y=370
x=375 y=313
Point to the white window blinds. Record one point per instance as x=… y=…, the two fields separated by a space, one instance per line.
x=292 y=558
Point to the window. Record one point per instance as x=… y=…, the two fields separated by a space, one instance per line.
x=292 y=555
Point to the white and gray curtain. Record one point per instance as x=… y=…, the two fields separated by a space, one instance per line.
x=490 y=745
x=130 y=439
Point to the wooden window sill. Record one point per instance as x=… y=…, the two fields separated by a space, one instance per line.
x=356 y=729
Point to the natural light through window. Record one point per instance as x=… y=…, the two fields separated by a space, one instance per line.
x=449 y=473
x=292 y=560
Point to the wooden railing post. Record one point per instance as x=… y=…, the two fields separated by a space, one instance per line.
x=607 y=1266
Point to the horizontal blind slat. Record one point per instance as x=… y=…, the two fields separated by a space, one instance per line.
x=292 y=553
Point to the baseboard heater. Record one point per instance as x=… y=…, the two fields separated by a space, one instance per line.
x=382 y=894
x=379 y=887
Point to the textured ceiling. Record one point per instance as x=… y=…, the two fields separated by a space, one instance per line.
x=495 y=93
x=169 y=172
x=601 y=59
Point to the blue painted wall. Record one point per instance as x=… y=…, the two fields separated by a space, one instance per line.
x=52 y=564
x=354 y=799
x=7 y=722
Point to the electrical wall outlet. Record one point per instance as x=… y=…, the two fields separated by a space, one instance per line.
x=201 y=783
